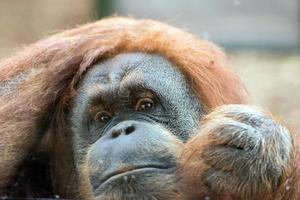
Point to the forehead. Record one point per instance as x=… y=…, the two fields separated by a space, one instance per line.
x=139 y=66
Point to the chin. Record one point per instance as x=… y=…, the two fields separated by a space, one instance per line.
x=145 y=183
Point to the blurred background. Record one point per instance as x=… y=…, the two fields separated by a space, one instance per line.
x=261 y=37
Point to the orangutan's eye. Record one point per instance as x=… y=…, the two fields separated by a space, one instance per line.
x=103 y=116
x=144 y=105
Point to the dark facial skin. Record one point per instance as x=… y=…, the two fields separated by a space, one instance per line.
x=131 y=117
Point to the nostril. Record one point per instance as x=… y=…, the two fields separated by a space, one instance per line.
x=129 y=129
x=115 y=133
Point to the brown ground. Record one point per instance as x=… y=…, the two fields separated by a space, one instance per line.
x=273 y=81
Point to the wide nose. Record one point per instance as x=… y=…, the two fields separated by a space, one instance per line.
x=123 y=128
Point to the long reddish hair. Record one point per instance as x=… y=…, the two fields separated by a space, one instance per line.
x=37 y=84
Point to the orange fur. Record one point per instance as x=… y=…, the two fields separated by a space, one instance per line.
x=193 y=165
x=38 y=82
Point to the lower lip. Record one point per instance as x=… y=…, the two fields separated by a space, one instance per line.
x=131 y=172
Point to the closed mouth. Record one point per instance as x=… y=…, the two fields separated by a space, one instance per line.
x=130 y=170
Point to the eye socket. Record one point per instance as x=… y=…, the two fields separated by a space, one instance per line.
x=144 y=105
x=103 y=116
